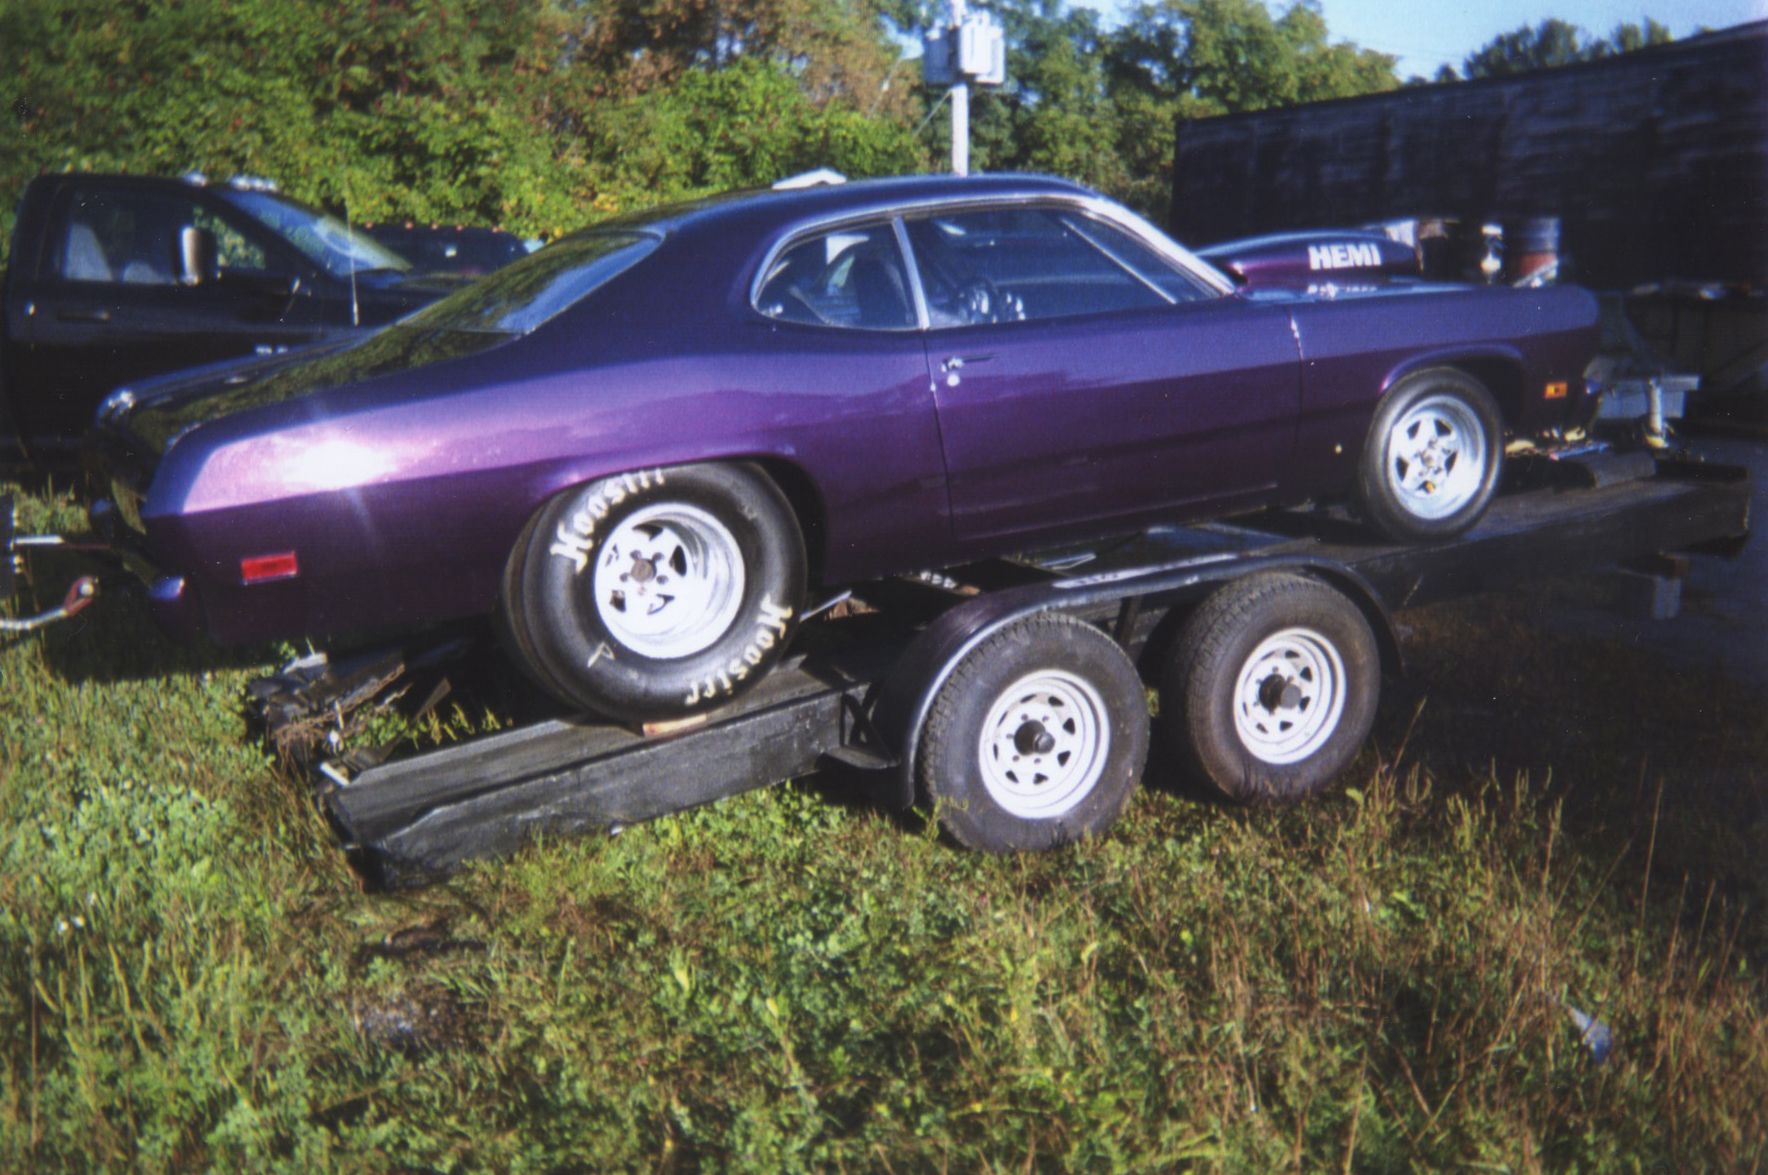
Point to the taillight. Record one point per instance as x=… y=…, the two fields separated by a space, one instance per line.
x=266 y=568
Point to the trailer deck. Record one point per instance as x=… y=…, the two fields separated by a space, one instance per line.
x=854 y=698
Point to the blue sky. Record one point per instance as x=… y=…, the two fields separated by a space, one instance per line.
x=1424 y=34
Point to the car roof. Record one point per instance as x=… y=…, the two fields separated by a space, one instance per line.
x=774 y=206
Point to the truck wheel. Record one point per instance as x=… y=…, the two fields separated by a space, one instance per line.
x=656 y=594
x=1271 y=688
x=1430 y=465
x=1036 y=739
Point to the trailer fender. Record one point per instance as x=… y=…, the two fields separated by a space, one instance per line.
x=901 y=703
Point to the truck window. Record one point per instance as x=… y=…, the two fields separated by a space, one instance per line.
x=233 y=249
x=105 y=235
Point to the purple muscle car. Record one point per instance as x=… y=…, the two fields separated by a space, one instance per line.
x=640 y=445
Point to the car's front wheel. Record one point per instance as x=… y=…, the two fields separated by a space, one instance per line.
x=656 y=593
x=1430 y=465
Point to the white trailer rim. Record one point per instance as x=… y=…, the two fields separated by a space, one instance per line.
x=1044 y=744
x=1289 y=696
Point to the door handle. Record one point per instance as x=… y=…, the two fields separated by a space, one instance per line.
x=95 y=314
x=953 y=366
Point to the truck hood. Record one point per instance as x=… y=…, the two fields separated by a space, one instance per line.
x=155 y=413
x=384 y=296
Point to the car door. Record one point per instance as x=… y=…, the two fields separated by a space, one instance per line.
x=1083 y=379
x=114 y=304
x=845 y=351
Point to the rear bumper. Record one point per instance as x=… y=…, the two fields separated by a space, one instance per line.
x=171 y=600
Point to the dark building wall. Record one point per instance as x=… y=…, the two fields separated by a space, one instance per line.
x=1655 y=162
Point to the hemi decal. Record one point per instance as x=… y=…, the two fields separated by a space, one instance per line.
x=1344 y=255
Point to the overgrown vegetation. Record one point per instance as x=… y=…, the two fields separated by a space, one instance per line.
x=191 y=977
x=543 y=116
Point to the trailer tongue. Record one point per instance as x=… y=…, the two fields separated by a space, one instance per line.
x=80 y=594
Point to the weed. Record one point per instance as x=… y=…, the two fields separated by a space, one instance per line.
x=190 y=977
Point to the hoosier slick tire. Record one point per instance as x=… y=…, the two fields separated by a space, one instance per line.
x=657 y=593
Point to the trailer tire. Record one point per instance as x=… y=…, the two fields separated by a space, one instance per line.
x=655 y=594
x=1036 y=738
x=1271 y=688
x=1430 y=464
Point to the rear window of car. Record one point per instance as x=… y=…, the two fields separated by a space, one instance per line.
x=521 y=296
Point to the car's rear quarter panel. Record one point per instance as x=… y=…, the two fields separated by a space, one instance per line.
x=442 y=482
x=1355 y=348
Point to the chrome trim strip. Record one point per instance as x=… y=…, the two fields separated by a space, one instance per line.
x=1112 y=257
x=913 y=268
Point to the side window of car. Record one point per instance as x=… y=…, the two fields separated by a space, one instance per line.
x=1013 y=264
x=1135 y=254
x=106 y=235
x=851 y=277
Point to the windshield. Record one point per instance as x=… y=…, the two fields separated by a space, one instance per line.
x=520 y=296
x=324 y=239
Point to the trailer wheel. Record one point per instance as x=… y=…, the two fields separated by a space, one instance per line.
x=1430 y=465
x=1036 y=739
x=1271 y=687
x=658 y=593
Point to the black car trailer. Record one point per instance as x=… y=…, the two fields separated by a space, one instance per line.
x=1010 y=695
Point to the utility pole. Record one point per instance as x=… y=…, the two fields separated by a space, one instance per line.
x=969 y=47
x=960 y=100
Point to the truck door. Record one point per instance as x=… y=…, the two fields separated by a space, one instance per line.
x=111 y=302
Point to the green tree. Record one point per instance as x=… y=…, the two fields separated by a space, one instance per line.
x=1196 y=58
x=838 y=50
x=1061 y=115
x=1628 y=37
x=741 y=126
x=1224 y=56
x=1053 y=114
x=438 y=110
x=493 y=111
x=1553 y=43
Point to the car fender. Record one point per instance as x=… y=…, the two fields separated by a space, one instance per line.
x=1494 y=356
x=781 y=464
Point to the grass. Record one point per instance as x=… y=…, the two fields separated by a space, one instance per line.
x=190 y=976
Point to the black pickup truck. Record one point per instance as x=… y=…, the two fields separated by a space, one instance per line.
x=116 y=278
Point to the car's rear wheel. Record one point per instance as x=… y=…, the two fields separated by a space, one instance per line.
x=1431 y=463
x=656 y=594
